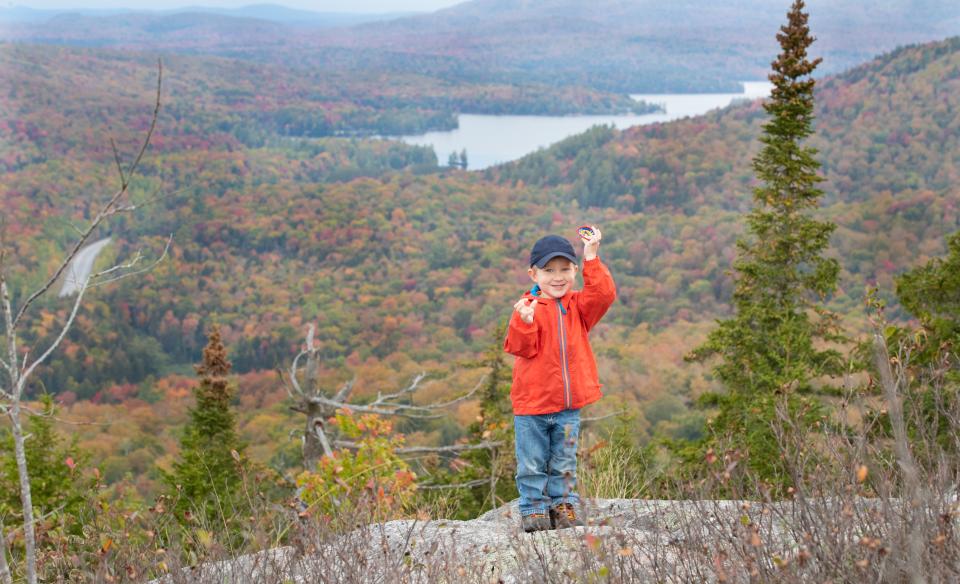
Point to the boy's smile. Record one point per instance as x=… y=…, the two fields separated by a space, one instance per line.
x=556 y=278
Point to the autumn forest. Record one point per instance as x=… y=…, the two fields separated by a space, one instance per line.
x=285 y=209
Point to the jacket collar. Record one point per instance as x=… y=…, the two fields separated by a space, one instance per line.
x=566 y=301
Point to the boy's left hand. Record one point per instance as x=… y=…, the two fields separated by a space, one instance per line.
x=591 y=243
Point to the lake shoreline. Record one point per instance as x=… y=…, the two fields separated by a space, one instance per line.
x=497 y=139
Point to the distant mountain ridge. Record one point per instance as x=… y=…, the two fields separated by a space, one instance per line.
x=269 y=12
x=642 y=46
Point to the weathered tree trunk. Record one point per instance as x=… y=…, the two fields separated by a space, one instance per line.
x=315 y=443
x=5 y=576
x=29 y=534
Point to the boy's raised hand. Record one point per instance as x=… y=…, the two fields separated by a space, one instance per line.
x=525 y=308
x=591 y=243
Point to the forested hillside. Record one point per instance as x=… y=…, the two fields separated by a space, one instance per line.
x=403 y=266
x=608 y=45
x=211 y=99
x=887 y=135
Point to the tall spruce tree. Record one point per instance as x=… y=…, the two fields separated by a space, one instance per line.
x=207 y=477
x=773 y=346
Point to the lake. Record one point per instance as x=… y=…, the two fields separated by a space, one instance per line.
x=490 y=140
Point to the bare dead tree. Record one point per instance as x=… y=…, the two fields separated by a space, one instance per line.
x=310 y=400
x=18 y=365
x=893 y=381
x=5 y=575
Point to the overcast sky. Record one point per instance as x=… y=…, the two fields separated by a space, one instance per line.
x=317 y=5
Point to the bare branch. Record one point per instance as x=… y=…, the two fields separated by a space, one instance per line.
x=457 y=400
x=5 y=576
x=345 y=390
x=381 y=405
x=74 y=227
x=603 y=417
x=60 y=337
x=116 y=158
x=130 y=264
x=153 y=126
x=467 y=485
x=158 y=196
x=384 y=399
x=385 y=410
x=104 y=212
x=892 y=385
x=10 y=332
x=321 y=434
x=428 y=449
x=43 y=414
x=293 y=373
x=287 y=386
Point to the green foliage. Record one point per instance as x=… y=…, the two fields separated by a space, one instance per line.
x=926 y=357
x=207 y=478
x=371 y=479
x=495 y=465
x=59 y=490
x=405 y=263
x=770 y=347
x=618 y=466
x=932 y=294
x=255 y=227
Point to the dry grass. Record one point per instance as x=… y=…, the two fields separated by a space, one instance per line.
x=878 y=506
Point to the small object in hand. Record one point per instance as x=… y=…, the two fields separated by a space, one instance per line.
x=585 y=232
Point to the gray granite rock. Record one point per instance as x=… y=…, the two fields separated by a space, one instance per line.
x=623 y=541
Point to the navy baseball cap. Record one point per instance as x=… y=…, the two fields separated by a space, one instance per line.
x=549 y=247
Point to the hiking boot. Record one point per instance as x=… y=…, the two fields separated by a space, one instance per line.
x=563 y=516
x=535 y=522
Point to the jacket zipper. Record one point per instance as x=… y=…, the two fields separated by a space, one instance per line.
x=564 y=361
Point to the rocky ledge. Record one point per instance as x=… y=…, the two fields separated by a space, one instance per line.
x=624 y=540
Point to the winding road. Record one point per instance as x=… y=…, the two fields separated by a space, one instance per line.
x=80 y=267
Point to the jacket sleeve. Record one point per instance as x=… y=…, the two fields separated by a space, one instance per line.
x=523 y=340
x=599 y=292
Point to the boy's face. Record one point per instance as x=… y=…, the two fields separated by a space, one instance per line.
x=556 y=278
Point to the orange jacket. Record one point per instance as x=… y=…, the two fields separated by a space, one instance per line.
x=555 y=369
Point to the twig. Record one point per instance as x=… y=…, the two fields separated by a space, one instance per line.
x=603 y=417
x=116 y=159
x=130 y=264
x=384 y=399
x=5 y=576
x=467 y=485
x=891 y=388
x=345 y=390
x=42 y=414
x=428 y=449
x=98 y=219
x=63 y=333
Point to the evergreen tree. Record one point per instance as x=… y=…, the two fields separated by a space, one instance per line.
x=453 y=161
x=494 y=467
x=207 y=477
x=463 y=159
x=54 y=468
x=932 y=294
x=771 y=349
x=494 y=425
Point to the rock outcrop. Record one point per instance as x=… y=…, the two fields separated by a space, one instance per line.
x=624 y=541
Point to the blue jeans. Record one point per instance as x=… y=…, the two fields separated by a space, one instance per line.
x=546 y=460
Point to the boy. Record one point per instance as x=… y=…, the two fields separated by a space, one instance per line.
x=554 y=375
